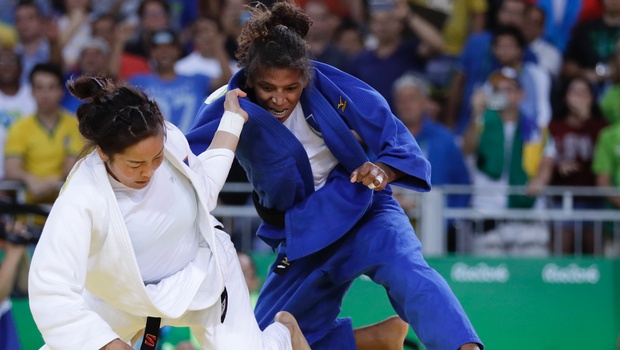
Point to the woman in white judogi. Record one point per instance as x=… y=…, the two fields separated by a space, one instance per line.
x=131 y=237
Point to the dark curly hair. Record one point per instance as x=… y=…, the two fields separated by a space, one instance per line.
x=114 y=116
x=274 y=38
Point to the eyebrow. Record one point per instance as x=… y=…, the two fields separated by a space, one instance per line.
x=142 y=161
x=262 y=82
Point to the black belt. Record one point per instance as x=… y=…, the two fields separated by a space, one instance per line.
x=268 y=215
x=151 y=333
x=153 y=325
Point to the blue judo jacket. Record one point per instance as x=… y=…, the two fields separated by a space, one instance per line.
x=277 y=165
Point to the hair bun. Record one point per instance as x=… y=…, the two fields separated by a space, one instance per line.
x=289 y=15
x=89 y=87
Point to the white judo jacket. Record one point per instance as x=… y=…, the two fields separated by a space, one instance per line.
x=84 y=276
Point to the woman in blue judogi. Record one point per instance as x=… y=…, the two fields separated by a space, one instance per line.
x=320 y=149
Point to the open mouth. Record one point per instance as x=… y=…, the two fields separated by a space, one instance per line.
x=274 y=112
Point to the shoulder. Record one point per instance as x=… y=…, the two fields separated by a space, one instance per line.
x=440 y=129
x=23 y=123
x=81 y=184
x=176 y=143
x=68 y=117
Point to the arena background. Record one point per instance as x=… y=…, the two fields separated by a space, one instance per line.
x=514 y=303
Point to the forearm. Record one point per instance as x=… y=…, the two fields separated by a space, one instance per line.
x=15 y=171
x=426 y=32
x=454 y=99
x=470 y=138
x=545 y=171
x=228 y=132
x=8 y=270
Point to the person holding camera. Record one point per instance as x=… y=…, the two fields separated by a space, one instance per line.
x=509 y=149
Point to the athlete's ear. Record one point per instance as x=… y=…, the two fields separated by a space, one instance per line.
x=102 y=155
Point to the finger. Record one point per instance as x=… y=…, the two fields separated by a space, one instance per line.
x=354 y=177
x=379 y=179
x=372 y=186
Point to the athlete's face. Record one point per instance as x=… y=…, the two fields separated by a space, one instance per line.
x=278 y=90
x=135 y=166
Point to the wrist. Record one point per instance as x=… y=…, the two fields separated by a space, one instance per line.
x=232 y=123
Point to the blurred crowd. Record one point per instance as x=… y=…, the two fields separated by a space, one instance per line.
x=498 y=93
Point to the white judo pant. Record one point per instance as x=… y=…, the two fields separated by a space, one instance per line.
x=239 y=329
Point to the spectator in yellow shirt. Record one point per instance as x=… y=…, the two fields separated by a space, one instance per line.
x=42 y=148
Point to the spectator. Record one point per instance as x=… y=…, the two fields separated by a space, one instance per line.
x=74 y=29
x=38 y=39
x=154 y=15
x=232 y=17
x=606 y=163
x=16 y=99
x=321 y=36
x=122 y=64
x=508 y=48
x=7 y=10
x=209 y=56
x=508 y=149
x=178 y=96
x=42 y=148
x=436 y=142
x=561 y=19
x=464 y=18
x=476 y=63
x=349 y=37
x=611 y=95
x=395 y=55
x=547 y=55
x=593 y=45
x=93 y=60
x=575 y=131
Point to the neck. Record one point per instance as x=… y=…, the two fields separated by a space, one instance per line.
x=317 y=46
x=9 y=89
x=415 y=127
x=575 y=120
x=167 y=74
x=32 y=45
x=387 y=48
x=49 y=114
x=206 y=53
x=510 y=114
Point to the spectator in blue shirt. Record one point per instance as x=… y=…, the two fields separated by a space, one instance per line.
x=178 y=96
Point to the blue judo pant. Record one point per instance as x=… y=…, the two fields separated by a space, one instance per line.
x=9 y=339
x=382 y=246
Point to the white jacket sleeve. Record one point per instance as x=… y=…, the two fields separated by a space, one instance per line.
x=212 y=166
x=57 y=279
x=216 y=164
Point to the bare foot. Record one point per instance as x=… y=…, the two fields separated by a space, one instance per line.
x=470 y=346
x=297 y=337
x=388 y=334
